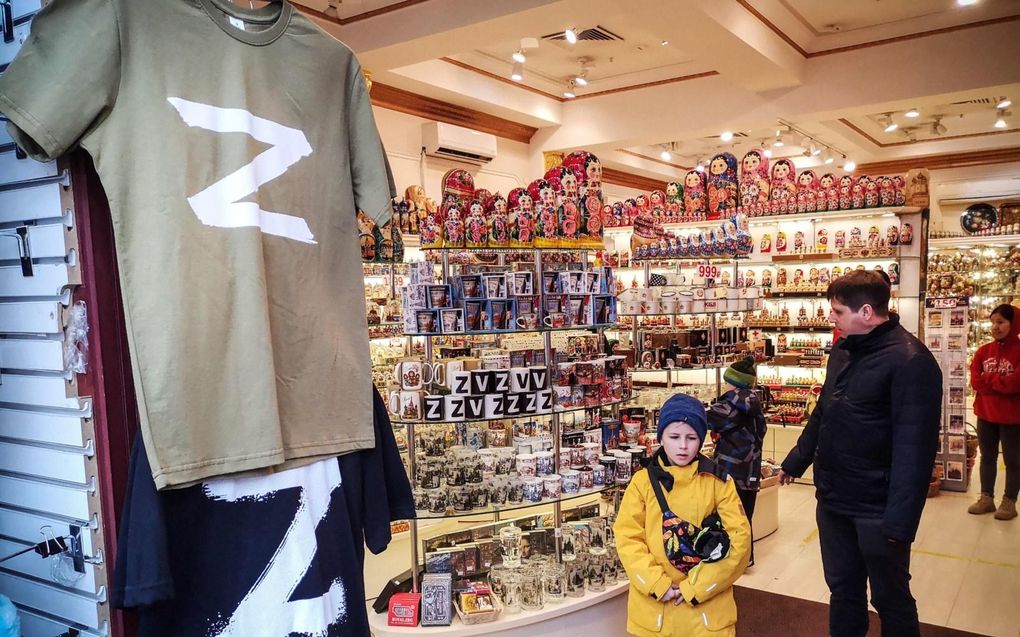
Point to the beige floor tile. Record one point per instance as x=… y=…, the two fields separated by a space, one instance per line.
x=988 y=602
x=935 y=583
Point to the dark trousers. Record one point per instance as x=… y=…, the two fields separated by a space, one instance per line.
x=747 y=499
x=990 y=435
x=854 y=552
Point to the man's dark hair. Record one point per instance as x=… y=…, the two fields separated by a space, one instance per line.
x=1005 y=311
x=860 y=288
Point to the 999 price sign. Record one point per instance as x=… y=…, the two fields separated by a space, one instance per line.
x=708 y=271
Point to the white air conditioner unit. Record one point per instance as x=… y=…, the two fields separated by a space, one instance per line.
x=458 y=143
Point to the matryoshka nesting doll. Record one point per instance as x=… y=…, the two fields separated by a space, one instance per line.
x=749 y=278
x=906 y=234
x=476 y=229
x=722 y=185
x=766 y=278
x=784 y=187
x=520 y=209
x=871 y=195
x=629 y=211
x=482 y=195
x=798 y=241
x=589 y=167
x=807 y=187
x=695 y=195
x=822 y=240
x=499 y=221
x=828 y=193
x=765 y=246
x=846 y=184
x=453 y=228
x=546 y=214
x=674 y=200
x=892 y=235
x=657 y=203
x=754 y=182
x=840 y=241
x=745 y=242
x=781 y=244
x=900 y=197
x=886 y=192
x=857 y=192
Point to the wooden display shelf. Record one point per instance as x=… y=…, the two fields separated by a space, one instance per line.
x=832 y=215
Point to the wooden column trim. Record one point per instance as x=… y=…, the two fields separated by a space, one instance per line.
x=942 y=162
x=630 y=180
x=397 y=99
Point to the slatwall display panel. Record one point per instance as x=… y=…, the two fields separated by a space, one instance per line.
x=47 y=460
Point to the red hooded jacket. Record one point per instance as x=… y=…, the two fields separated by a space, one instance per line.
x=995 y=376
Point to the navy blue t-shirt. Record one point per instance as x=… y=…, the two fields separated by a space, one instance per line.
x=271 y=556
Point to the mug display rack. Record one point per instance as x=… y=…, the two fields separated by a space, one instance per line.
x=475 y=497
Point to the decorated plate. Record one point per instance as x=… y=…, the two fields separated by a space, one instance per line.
x=980 y=216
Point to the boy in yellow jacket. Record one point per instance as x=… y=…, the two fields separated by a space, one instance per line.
x=682 y=534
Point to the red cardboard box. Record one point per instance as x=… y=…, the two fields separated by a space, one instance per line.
x=404 y=609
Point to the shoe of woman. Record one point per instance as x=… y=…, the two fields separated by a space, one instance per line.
x=1007 y=509
x=985 y=504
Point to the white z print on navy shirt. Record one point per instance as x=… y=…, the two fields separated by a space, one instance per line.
x=220 y=204
x=266 y=610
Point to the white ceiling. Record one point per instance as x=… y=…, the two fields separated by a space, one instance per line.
x=757 y=63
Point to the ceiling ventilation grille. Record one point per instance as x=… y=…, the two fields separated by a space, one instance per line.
x=597 y=33
x=736 y=135
x=980 y=101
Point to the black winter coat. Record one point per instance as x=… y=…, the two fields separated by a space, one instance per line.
x=875 y=431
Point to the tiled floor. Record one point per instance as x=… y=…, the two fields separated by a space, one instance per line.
x=966 y=568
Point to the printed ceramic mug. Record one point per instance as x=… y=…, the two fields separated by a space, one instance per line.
x=527 y=321
x=460 y=382
x=501 y=380
x=495 y=405
x=454 y=408
x=555 y=319
x=406 y=405
x=520 y=379
x=434 y=408
x=412 y=374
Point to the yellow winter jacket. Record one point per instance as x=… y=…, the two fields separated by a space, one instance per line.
x=708 y=607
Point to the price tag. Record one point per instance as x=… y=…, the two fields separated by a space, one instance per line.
x=708 y=271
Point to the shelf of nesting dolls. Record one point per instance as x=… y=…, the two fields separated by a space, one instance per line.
x=537 y=330
x=790 y=328
x=489 y=510
x=831 y=215
x=689 y=260
x=983 y=241
x=515 y=250
x=418 y=423
x=681 y=314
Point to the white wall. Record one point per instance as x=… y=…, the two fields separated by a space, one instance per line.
x=953 y=190
x=516 y=164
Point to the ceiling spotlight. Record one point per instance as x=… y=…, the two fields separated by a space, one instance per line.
x=569 y=92
x=767 y=152
x=664 y=43
x=1004 y=103
x=886 y=121
x=726 y=136
x=580 y=80
x=966 y=3
x=665 y=155
x=779 y=143
x=937 y=128
x=912 y=113
x=815 y=150
x=570 y=35
x=1000 y=119
x=827 y=157
x=701 y=166
x=849 y=164
x=518 y=56
x=517 y=74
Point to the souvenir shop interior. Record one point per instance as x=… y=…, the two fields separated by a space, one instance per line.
x=599 y=205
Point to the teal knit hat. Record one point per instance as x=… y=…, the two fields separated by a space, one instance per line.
x=742 y=374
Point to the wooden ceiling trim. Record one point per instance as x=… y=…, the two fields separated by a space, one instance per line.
x=634 y=87
x=630 y=180
x=500 y=78
x=942 y=162
x=879 y=144
x=397 y=99
x=761 y=18
x=360 y=16
x=652 y=159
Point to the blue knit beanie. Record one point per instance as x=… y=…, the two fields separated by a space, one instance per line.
x=683 y=408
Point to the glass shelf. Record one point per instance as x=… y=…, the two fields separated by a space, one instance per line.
x=795 y=295
x=688 y=259
x=689 y=313
x=789 y=328
x=514 y=417
x=830 y=215
x=506 y=250
x=538 y=330
x=489 y=510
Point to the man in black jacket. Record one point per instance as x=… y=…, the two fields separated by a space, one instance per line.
x=872 y=438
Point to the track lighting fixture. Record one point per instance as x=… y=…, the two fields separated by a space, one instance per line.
x=570 y=35
x=519 y=56
x=937 y=128
x=849 y=164
x=827 y=157
x=1000 y=118
x=1004 y=103
x=726 y=136
x=886 y=122
x=517 y=74
x=912 y=113
x=569 y=92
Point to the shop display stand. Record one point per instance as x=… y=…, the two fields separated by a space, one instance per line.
x=554 y=419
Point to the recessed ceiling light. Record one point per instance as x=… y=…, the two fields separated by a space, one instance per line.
x=1004 y=103
x=726 y=136
x=517 y=74
x=664 y=43
x=966 y=3
x=518 y=56
x=570 y=35
x=912 y=113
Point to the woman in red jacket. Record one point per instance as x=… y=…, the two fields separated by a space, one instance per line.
x=995 y=376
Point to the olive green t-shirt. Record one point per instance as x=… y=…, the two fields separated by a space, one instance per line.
x=235 y=146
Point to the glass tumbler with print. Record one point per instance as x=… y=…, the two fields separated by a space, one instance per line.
x=554 y=581
x=510 y=541
x=511 y=592
x=532 y=594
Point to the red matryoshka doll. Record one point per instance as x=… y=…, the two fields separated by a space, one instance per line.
x=499 y=221
x=695 y=195
x=568 y=212
x=476 y=228
x=749 y=278
x=886 y=192
x=547 y=214
x=781 y=277
x=871 y=195
x=828 y=193
x=892 y=235
x=657 y=203
x=453 y=228
x=642 y=204
x=906 y=234
x=846 y=185
x=824 y=276
x=754 y=182
x=766 y=278
x=588 y=169
x=900 y=197
x=765 y=247
x=629 y=211
x=482 y=195
x=521 y=215
x=722 y=186
x=807 y=187
x=822 y=240
x=857 y=192
x=784 y=187
x=591 y=224
x=674 y=200
x=781 y=244
x=798 y=241
x=608 y=218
